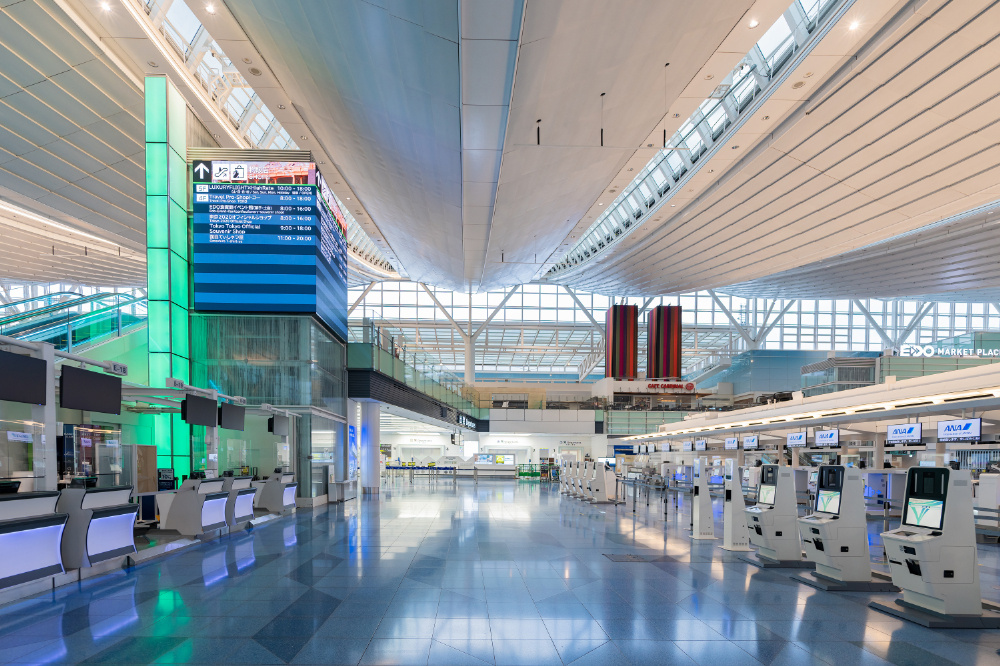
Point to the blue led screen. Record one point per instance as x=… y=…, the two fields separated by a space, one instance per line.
x=264 y=240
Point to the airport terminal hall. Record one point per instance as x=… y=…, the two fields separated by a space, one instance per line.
x=500 y=332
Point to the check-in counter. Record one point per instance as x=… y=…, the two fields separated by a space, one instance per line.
x=277 y=493
x=239 y=504
x=99 y=527
x=494 y=470
x=30 y=535
x=198 y=506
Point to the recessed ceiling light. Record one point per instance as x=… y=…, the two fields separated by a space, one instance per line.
x=754 y=23
x=600 y=204
x=677 y=115
x=255 y=71
x=673 y=205
x=106 y=6
x=152 y=63
x=631 y=169
x=348 y=198
x=210 y=9
x=247 y=61
x=709 y=77
x=735 y=147
x=304 y=137
x=854 y=25
x=281 y=106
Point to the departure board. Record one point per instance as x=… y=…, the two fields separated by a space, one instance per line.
x=265 y=239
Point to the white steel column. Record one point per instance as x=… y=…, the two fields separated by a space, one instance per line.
x=44 y=462
x=370 y=440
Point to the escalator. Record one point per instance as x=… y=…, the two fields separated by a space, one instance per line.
x=72 y=321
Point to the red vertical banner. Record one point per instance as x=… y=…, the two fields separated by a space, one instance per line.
x=622 y=342
x=663 y=343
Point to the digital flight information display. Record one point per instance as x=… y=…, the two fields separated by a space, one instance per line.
x=268 y=237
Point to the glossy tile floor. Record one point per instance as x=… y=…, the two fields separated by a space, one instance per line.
x=500 y=573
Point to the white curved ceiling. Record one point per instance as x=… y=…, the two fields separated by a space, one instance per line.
x=902 y=135
x=411 y=100
x=951 y=261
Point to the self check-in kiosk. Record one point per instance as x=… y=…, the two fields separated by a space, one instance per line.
x=735 y=535
x=277 y=494
x=239 y=504
x=773 y=521
x=835 y=535
x=932 y=555
x=702 y=521
x=100 y=525
x=198 y=506
x=601 y=484
x=30 y=537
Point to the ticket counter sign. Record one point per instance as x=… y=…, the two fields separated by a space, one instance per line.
x=827 y=438
x=687 y=446
x=700 y=445
x=904 y=433
x=732 y=444
x=962 y=430
x=751 y=442
x=796 y=440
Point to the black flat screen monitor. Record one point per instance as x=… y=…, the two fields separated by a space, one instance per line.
x=926 y=492
x=278 y=425
x=90 y=391
x=199 y=411
x=24 y=378
x=232 y=417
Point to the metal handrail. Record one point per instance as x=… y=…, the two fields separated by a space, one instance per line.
x=25 y=301
x=56 y=307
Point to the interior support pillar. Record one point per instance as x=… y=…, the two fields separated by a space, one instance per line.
x=370 y=439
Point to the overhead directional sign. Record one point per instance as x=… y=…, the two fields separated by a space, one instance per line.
x=202 y=171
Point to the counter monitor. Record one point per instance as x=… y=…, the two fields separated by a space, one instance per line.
x=232 y=417
x=766 y=494
x=828 y=501
x=197 y=410
x=89 y=391
x=31 y=374
x=925 y=496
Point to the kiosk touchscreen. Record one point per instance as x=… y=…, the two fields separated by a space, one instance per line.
x=735 y=536
x=932 y=555
x=773 y=521
x=702 y=521
x=835 y=535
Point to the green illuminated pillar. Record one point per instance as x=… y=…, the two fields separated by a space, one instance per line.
x=167 y=248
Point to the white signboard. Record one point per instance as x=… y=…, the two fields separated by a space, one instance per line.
x=686 y=446
x=732 y=444
x=750 y=442
x=701 y=445
x=828 y=437
x=24 y=437
x=904 y=433
x=795 y=439
x=963 y=430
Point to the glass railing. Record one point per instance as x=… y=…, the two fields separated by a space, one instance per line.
x=69 y=323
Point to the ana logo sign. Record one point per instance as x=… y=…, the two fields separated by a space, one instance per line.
x=732 y=444
x=795 y=439
x=701 y=445
x=903 y=433
x=827 y=437
x=686 y=446
x=750 y=442
x=964 y=430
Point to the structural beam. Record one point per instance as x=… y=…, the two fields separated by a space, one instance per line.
x=886 y=340
x=360 y=298
x=732 y=320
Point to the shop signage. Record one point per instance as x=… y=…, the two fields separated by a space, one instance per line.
x=680 y=386
x=24 y=437
x=795 y=439
x=904 y=433
x=930 y=351
x=466 y=422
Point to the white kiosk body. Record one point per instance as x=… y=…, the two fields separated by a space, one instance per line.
x=574 y=472
x=702 y=521
x=932 y=555
x=735 y=535
x=239 y=505
x=198 y=506
x=600 y=486
x=835 y=535
x=100 y=525
x=277 y=494
x=773 y=520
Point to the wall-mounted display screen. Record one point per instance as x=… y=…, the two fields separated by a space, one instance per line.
x=268 y=237
x=766 y=494
x=962 y=430
x=232 y=417
x=24 y=378
x=700 y=445
x=904 y=433
x=795 y=440
x=924 y=513
x=89 y=391
x=828 y=438
x=828 y=501
x=751 y=442
x=278 y=425
x=197 y=410
x=732 y=444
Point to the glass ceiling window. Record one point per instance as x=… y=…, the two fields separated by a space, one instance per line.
x=244 y=108
x=699 y=132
